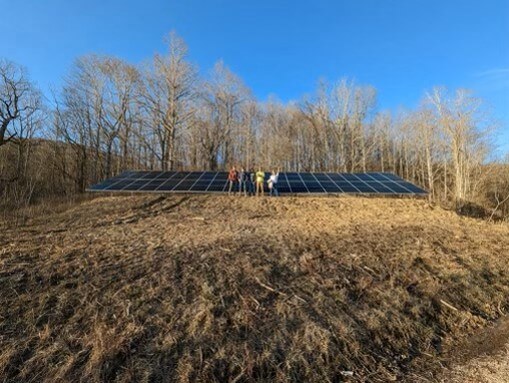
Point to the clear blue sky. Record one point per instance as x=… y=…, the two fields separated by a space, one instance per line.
x=402 y=47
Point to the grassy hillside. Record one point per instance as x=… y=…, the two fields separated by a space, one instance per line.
x=218 y=289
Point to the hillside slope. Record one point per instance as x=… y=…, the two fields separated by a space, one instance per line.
x=210 y=288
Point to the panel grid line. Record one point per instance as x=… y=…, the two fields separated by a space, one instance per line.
x=403 y=186
x=380 y=182
x=302 y=180
x=319 y=183
x=165 y=182
x=334 y=182
x=199 y=178
x=366 y=185
x=210 y=184
x=386 y=183
x=288 y=182
x=182 y=180
x=352 y=185
x=114 y=183
x=130 y=183
x=149 y=180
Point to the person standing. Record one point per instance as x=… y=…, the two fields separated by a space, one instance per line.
x=273 y=179
x=232 y=179
x=252 y=181
x=260 y=178
x=242 y=179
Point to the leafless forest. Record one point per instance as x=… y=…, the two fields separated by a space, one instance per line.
x=111 y=115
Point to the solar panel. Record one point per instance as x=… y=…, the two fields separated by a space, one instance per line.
x=289 y=183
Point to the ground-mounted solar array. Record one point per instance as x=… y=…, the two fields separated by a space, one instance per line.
x=289 y=183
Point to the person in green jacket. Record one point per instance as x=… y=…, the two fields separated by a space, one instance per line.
x=260 y=178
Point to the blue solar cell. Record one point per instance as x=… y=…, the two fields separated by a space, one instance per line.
x=135 y=175
x=391 y=176
x=321 y=177
x=184 y=185
x=119 y=185
x=165 y=174
x=363 y=176
x=397 y=188
x=222 y=175
x=331 y=187
x=102 y=185
x=347 y=187
x=168 y=185
x=314 y=187
x=148 y=175
x=283 y=188
x=382 y=188
x=208 y=176
x=217 y=186
x=282 y=183
x=363 y=187
x=152 y=185
x=348 y=177
x=135 y=185
x=411 y=187
x=308 y=177
x=299 y=189
x=202 y=183
x=376 y=176
x=194 y=175
x=335 y=176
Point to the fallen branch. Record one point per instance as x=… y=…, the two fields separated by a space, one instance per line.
x=448 y=305
x=268 y=287
x=500 y=202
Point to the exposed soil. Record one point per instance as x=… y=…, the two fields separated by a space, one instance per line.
x=482 y=358
x=217 y=289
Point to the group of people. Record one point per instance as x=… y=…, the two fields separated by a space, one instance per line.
x=249 y=182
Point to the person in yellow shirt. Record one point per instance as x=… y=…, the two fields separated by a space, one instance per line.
x=260 y=177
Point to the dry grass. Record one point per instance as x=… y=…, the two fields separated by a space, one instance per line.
x=218 y=289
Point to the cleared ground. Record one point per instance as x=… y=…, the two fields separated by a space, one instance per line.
x=218 y=289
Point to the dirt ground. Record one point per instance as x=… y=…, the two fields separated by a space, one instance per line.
x=481 y=358
x=487 y=369
x=234 y=289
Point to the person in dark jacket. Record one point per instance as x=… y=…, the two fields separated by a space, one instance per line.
x=251 y=181
x=242 y=179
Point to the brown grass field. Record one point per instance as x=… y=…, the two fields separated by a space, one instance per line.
x=217 y=289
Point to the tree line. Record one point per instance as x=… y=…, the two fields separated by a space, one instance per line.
x=111 y=115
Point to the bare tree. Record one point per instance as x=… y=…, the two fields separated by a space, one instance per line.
x=223 y=95
x=167 y=94
x=459 y=119
x=382 y=130
x=18 y=100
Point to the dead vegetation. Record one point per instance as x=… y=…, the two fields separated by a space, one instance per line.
x=218 y=289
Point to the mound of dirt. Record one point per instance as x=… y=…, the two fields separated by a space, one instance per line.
x=218 y=289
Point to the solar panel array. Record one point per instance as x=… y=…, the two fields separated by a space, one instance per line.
x=288 y=183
